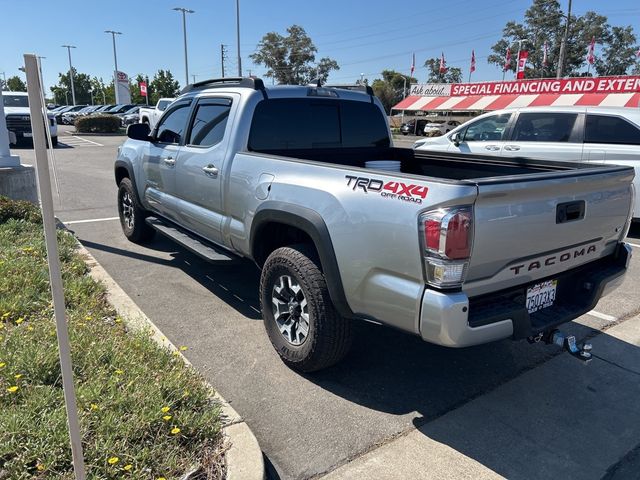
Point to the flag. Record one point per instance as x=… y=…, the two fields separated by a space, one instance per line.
x=473 y=62
x=413 y=64
x=591 y=57
x=545 y=54
x=507 y=60
x=443 y=64
x=143 y=89
x=522 y=61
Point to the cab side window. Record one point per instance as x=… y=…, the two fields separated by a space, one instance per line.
x=209 y=122
x=544 y=127
x=173 y=123
x=488 y=129
x=612 y=130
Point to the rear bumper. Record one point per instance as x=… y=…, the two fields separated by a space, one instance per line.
x=455 y=320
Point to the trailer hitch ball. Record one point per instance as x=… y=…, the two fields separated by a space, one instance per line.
x=568 y=343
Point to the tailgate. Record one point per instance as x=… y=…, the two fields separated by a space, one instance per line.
x=536 y=227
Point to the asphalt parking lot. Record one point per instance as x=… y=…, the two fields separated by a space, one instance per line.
x=307 y=425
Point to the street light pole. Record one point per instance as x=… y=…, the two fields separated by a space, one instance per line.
x=184 y=33
x=563 y=45
x=115 y=61
x=238 y=37
x=73 y=90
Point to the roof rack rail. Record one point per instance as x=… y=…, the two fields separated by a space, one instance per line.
x=360 y=88
x=244 y=82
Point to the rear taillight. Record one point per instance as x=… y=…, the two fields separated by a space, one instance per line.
x=447 y=238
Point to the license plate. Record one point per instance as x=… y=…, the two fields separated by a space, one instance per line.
x=27 y=135
x=541 y=295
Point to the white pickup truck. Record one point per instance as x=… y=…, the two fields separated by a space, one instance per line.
x=150 y=115
x=16 y=109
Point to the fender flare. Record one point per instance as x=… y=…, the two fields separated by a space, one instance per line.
x=312 y=223
x=129 y=168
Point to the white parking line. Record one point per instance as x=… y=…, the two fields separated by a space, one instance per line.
x=602 y=316
x=90 y=220
x=90 y=141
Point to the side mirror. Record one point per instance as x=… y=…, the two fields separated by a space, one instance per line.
x=455 y=138
x=139 y=131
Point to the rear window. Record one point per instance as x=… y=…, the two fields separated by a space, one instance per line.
x=544 y=127
x=607 y=129
x=304 y=123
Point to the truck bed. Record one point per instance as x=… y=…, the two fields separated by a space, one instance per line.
x=439 y=165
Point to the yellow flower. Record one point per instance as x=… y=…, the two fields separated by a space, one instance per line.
x=88 y=317
x=186 y=393
x=20 y=320
x=18 y=376
x=165 y=409
x=13 y=389
x=94 y=406
x=176 y=353
x=175 y=431
x=6 y=314
x=119 y=372
x=29 y=327
x=161 y=478
x=40 y=467
x=2 y=364
x=113 y=460
x=166 y=418
x=1 y=326
x=183 y=348
x=118 y=320
x=127 y=467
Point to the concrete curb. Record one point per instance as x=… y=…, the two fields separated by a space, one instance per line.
x=243 y=456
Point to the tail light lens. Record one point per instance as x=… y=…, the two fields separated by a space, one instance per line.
x=447 y=239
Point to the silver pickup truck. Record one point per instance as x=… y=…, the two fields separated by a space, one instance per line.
x=304 y=180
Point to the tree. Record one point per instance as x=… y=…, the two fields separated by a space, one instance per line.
x=544 y=22
x=81 y=85
x=389 y=89
x=452 y=75
x=15 y=84
x=291 y=60
x=163 y=85
x=619 y=54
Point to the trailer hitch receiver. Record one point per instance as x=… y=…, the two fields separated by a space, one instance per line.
x=566 y=342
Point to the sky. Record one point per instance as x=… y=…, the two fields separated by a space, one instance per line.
x=364 y=37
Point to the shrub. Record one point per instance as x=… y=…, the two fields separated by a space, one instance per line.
x=18 y=210
x=97 y=124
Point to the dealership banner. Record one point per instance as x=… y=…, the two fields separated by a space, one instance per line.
x=123 y=93
x=577 y=85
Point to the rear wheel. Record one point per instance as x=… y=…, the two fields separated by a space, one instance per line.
x=300 y=319
x=132 y=215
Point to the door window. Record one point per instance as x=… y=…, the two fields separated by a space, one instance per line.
x=173 y=124
x=488 y=129
x=209 y=122
x=544 y=127
x=608 y=129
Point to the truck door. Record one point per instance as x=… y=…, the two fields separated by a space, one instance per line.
x=160 y=158
x=200 y=171
x=484 y=136
x=547 y=136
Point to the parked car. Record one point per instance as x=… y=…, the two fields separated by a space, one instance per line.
x=18 y=116
x=150 y=115
x=413 y=127
x=119 y=109
x=130 y=116
x=440 y=127
x=607 y=135
x=69 y=117
x=453 y=248
x=68 y=109
x=103 y=109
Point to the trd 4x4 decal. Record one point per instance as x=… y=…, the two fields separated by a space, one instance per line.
x=394 y=190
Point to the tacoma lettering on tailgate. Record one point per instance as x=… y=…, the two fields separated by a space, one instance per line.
x=553 y=259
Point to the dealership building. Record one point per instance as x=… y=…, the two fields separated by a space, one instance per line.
x=470 y=99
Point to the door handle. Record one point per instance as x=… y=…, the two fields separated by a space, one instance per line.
x=512 y=148
x=169 y=161
x=493 y=148
x=210 y=170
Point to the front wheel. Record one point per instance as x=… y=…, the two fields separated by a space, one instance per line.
x=300 y=319
x=132 y=215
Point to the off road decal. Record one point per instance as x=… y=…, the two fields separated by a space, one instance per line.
x=393 y=190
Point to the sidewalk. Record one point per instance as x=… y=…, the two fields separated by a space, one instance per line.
x=562 y=419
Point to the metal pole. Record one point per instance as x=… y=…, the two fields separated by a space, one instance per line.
x=115 y=61
x=238 y=37
x=73 y=90
x=146 y=98
x=184 y=34
x=563 y=45
x=222 y=58
x=55 y=276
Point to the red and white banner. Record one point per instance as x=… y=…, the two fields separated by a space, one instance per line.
x=443 y=64
x=591 y=56
x=143 y=89
x=522 y=61
x=473 y=62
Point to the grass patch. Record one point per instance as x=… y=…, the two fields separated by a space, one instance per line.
x=143 y=413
